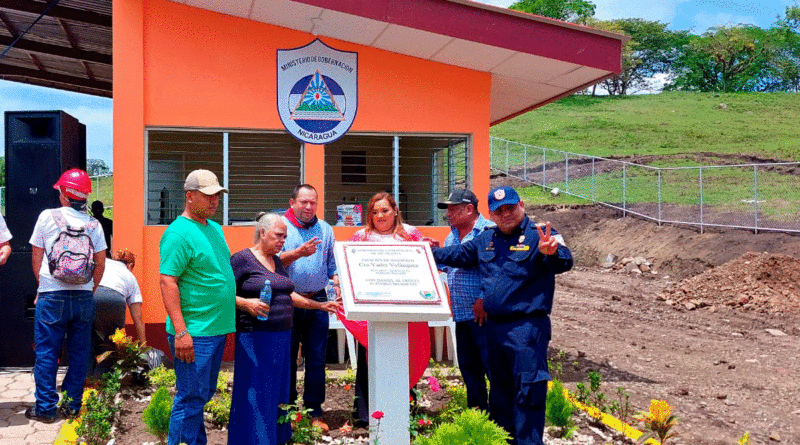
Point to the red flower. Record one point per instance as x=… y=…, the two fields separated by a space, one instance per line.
x=377 y=415
x=421 y=422
x=298 y=417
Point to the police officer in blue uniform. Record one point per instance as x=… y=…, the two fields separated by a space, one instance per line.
x=518 y=262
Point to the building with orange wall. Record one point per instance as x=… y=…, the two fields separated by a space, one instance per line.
x=195 y=87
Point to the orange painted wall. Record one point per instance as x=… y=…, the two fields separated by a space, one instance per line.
x=178 y=66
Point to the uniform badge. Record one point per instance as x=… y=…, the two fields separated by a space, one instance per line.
x=490 y=246
x=520 y=248
x=521 y=239
x=499 y=194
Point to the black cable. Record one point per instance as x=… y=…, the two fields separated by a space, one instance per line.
x=19 y=37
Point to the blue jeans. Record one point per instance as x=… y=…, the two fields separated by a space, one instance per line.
x=60 y=314
x=196 y=384
x=473 y=362
x=310 y=328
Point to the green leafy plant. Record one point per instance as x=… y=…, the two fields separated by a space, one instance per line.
x=471 y=427
x=161 y=376
x=101 y=407
x=156 y=415
x=223 y=380
x=419 y=424
x=621 y=408
x=659 y=421
x=559 y=411
x=745 y=439
x=63 y=405
x=130 y=354
x=456 y=405
x=303 y=428
x=219 y=408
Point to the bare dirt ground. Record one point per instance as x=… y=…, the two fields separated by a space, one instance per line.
x=717 y=365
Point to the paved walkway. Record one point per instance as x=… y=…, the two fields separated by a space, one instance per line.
x=16 y=395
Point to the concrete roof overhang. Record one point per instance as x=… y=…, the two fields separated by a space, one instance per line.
x=533 y=60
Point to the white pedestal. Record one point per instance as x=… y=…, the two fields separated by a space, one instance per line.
x=388 y=382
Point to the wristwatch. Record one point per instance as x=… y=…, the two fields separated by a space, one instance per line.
x=181 y=334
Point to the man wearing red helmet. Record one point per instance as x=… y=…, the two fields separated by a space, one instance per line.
x=64 y=308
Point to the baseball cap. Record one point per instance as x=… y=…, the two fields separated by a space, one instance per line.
x=203 y=181
x=501 y=196
x=460 y=196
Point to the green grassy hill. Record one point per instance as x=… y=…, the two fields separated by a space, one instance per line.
x=766 y=125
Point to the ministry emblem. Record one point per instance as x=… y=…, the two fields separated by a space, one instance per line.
x=317 y=91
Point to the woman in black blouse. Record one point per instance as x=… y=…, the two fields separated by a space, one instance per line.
x=261 y=360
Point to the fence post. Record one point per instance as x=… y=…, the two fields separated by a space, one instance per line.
x=755 y=196
x=525 y=162
x=594 y=182
x=624 y=190
x=701 y=199
x=566 y=172
x=659 y=198
x=506 y=157
x=544 y=169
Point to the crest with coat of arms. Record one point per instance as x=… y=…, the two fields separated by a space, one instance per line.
x=317 y=91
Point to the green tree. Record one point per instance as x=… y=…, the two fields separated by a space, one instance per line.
x=786 y=35
x=650 y=51
x=567 y=10
x=727 y=58
x=97 y=167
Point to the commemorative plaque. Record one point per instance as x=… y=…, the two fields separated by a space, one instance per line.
x=390 y=285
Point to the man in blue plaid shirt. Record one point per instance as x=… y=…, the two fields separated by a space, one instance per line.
x=466 y=297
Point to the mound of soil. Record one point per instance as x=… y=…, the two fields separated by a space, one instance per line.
x=760 y=282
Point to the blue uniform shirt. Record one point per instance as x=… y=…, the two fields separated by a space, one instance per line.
x=465 y=283
x=516 y=278
x=311 y=273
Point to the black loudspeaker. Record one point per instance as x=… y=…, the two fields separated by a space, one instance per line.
x=40 y=145
x=17 y=293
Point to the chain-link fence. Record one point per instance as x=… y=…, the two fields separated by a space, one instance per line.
x=744 y=196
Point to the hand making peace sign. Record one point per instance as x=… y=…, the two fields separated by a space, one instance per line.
x=548 y=245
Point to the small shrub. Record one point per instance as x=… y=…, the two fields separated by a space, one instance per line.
x=419 y=424
x=223 y=379
x=456 y=405
x=303 y=429
x=161 y=376
x=659 y=420
x=472 y=427
x=559 y=411
x=156 y=415
x=95 y=427
x=219 y=409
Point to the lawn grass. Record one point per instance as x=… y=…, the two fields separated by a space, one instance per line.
x=759 y=124
x=763 y=125
x=103 y=190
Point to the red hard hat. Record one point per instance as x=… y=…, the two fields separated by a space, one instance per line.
x=75 y=184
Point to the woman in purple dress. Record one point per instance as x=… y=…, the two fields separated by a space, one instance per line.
x=262 y=357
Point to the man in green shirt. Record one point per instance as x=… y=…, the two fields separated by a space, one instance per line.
x=199 y=293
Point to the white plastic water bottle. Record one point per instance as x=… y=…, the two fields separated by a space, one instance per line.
x=331 y=291
x=266 y=297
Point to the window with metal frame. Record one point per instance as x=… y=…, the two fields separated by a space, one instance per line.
x=259 y=168
x=423 y=169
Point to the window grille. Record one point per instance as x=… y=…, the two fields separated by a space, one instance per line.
x=259 y=168
x=428 y=166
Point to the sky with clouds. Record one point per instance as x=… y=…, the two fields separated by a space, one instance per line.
x=694 y=15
